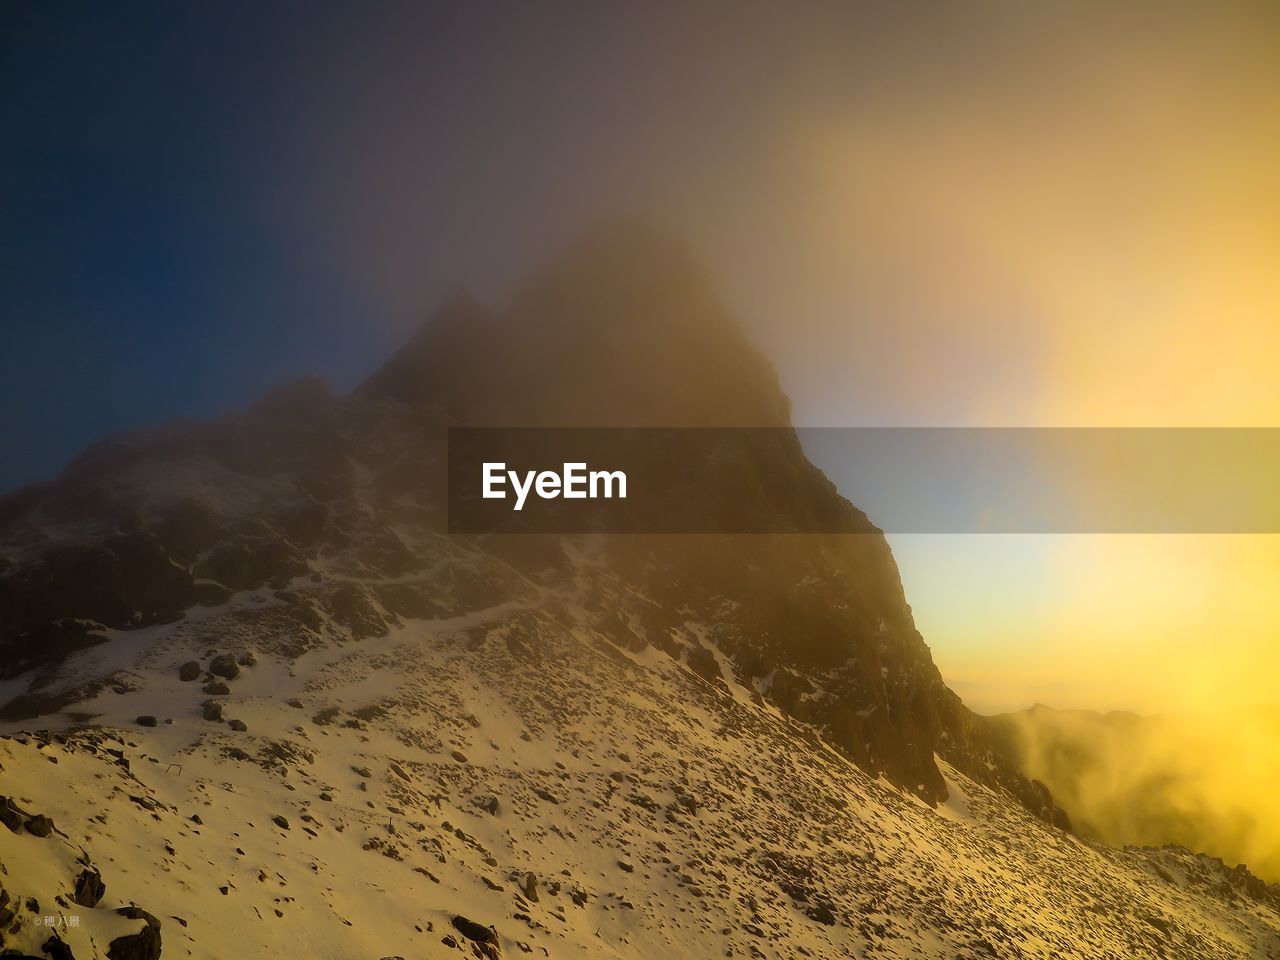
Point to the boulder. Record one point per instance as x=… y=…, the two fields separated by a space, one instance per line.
x=89 y=888
x=143 y=945
x=529 y=886
x=39 y=826
x=189 y=671
x=10 y=815
x=485 y=938
x=224 y=665
x=822 y=913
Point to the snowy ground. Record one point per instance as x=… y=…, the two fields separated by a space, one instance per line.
x=513 y=767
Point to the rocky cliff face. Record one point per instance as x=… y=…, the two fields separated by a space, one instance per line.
x=336 y=504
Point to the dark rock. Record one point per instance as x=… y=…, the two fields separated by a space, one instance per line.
x=703 y=662
x=216 y=688
x=351 y=606
x=213 y=711
x=89 y=888
x=39 y=826
x=530 y=887
x=189 y=671
x=146 y=720
x=143 y=945
x=56 y=949
x=281 y=822
x=238 y=725
x=209 y=593
x=224 y=665
x=822 y=913
x=248 y=659
x=249 y=563
x=459 y=756
x=488 y=803
x=10 y=815
x=475 y=932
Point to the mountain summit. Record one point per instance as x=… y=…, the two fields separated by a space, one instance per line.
x=621 y=330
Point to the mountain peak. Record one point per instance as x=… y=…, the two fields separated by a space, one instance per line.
x=621 y=330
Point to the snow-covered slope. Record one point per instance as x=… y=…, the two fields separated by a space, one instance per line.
x=512 y=766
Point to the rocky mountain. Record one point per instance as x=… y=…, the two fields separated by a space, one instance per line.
x=288 y=713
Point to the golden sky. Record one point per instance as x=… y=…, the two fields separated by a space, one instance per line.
x=1072 y=221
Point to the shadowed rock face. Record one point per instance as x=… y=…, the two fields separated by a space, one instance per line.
x=624 y=330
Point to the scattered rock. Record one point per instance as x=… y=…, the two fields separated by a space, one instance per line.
x=143 y=945
x=822 y=913
x=189 y=671
x=89 y=888
x=213 y=711
x=248 y=659
x=146 y=720
x=216 y=688
x=485 y=937
x=10 y=815
x=39 y=826
x=281 y=822
x=530 y=887
x=224 y=665
x=238 y=725
x=459 y=756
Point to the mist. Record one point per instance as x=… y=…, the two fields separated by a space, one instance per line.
x=1206 y=783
